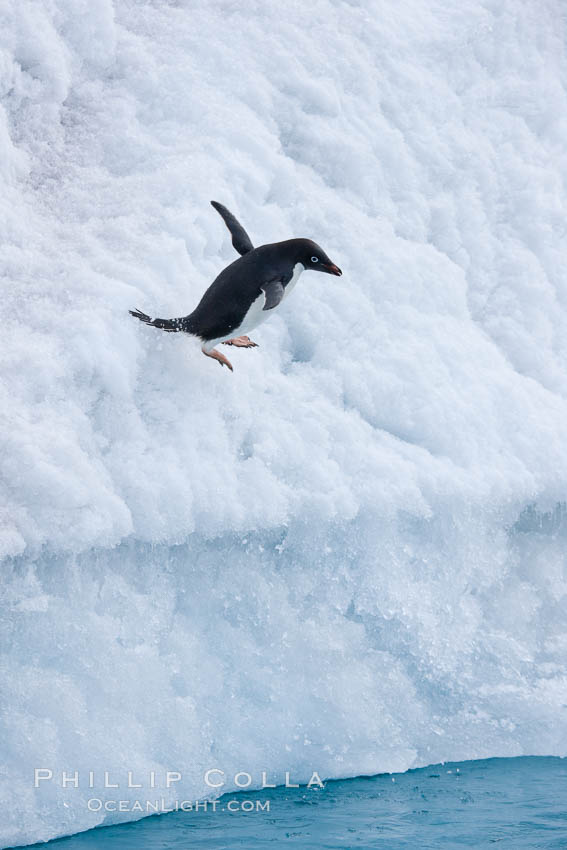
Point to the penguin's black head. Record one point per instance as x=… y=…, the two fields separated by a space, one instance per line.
x=314 y=258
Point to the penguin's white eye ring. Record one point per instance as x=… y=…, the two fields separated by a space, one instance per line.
x=314 y=259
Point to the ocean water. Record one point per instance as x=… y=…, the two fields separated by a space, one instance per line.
x=503 y=803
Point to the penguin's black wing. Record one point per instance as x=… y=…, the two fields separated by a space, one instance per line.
x=274 y=292
x=240 y=238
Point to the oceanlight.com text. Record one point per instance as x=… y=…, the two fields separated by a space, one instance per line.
x=161 y=806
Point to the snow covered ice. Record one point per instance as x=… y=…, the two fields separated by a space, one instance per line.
x=349 y=555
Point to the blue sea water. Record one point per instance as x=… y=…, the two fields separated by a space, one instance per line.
x=510 y=803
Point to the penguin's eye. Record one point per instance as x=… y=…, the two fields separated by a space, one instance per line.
x=314 y=259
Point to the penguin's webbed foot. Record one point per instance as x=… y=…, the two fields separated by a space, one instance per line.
x=217 y=355
x=241 y=342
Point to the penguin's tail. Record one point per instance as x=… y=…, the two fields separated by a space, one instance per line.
x=169 y=325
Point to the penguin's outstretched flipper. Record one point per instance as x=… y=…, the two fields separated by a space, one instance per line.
x=240 y=238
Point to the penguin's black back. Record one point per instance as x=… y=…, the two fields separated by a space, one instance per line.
x=226 y=302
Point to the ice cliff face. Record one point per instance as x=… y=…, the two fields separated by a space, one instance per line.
x=328 y=559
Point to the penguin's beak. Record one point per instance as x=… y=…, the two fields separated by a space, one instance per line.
x=332 y=269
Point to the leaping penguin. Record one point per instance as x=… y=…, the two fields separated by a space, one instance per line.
x=244 y=293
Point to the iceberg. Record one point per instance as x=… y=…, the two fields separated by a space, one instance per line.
x=348 y=557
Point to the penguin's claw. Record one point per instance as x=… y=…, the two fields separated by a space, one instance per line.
x=219 y=357
x=241 y=342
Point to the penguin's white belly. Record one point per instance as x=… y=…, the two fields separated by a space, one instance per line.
x=297 y=269
x=256 y=313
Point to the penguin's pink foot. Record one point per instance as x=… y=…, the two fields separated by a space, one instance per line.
x=241 y=342
x=216 y=355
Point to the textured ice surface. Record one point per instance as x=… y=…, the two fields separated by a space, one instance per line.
x=326 y=560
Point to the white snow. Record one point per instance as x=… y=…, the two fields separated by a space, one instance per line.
x=329 y=560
